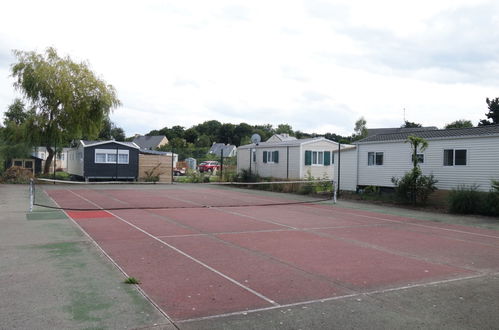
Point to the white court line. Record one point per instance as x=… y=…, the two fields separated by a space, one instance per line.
x=308 y=302
x=185 y=254
x=409 y=223
x=139 y=289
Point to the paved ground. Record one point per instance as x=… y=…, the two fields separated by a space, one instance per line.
x=51 y=276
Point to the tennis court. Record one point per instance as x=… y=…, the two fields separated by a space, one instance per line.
x=196 y=262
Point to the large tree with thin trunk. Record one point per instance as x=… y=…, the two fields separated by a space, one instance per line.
x=70 y=101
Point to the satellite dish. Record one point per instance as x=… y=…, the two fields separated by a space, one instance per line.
x=255 y=138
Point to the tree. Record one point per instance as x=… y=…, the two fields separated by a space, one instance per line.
x=284 y=128
x=416 y=142
x=414 y=186
x=360 y=129
x=110 y=131
x=461 y=123
x=13 y=143
x=69 y=100
x=410 y=124
x=16 y=113
x=493 y=114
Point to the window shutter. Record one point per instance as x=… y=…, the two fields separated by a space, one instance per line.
x=308 y=157
x=327 y=158
x=276 y=156
x=264 y=156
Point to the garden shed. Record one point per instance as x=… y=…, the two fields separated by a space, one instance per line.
x=155 y=165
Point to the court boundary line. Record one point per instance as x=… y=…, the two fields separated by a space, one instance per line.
x=237 y=283
x=115 y=264
x=367 y=293
x=419 y=224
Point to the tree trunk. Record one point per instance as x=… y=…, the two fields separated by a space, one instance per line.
x=48 y=161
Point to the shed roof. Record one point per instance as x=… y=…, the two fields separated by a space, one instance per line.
x=148 y=142
x=87 y=143
x=488 y=130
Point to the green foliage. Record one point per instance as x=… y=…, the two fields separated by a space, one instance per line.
x=468 y=200
x=410 y=124
x=59 y=175
x=153 y=174
x=495 y=186
x=416 y=142
x=414 y=187
x=493 y=114
x=461 y=123
x=196 y=177
x=69 y=101
x=110 y=131
x=131 y=280
x=360 y=129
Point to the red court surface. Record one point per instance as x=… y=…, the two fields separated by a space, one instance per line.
x=203 y=262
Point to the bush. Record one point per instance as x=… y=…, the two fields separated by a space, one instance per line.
x=17 y=174
x=414 y=187
x=468 y=200
x=247 y=176
x=196 y=177
x=464 y=200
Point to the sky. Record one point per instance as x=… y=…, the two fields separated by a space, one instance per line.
x=316 y=65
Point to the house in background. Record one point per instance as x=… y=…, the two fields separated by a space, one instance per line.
x=92 y=160
x=152 y=142
x=61 y=158
x=456 y=156
x=219 y=149
x=289 y=159
x=281 y=138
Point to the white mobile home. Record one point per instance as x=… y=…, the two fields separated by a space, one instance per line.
x=289 y=159
x=460 y=156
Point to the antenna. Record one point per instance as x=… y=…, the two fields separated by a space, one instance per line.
x=404 y=115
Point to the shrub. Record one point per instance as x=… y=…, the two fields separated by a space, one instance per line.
x=465 y=200
x=17 y=174
x=414 y=187
x=247 y=176
x=196 y=177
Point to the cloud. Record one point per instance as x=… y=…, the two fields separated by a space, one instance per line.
x=454 y=46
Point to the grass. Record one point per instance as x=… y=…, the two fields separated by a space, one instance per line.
x=131 y=280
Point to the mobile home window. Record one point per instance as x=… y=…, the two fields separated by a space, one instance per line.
x=317 y=157
x=455 y=157
x=108 y=156
x=271 y=156
x=420 y=158
x=374 y=158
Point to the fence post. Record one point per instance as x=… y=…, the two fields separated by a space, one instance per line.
x=221 y=163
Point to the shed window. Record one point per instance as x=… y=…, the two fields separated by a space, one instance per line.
x=100 y=158
x=108 y=156
x=123 y=158
x=111 y=158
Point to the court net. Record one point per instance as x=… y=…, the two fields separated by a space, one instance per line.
x=110 y=196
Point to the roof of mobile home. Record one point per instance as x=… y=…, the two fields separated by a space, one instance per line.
x=480 y=131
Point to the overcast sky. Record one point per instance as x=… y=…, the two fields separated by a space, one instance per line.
x=315 y=65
